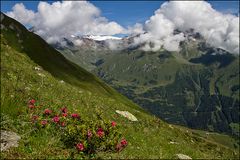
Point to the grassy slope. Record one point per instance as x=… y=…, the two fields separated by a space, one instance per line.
x=41 y=53
x=148 y=138
x=169 y=86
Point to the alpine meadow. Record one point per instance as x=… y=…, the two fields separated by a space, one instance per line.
x=87 y=80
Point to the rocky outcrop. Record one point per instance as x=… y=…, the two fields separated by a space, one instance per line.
x=9 y=139
x=182 y=156
x=127 y=115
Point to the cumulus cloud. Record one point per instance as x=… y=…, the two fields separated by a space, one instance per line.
x=159 y=33
x=63 y=19
x=136 y=29
x=21 y=14
x=220 y=30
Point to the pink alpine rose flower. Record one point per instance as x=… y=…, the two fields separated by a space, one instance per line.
x=124 y=142
x=75 y=115
x=32 y=101
x=113 y=124
x=79 y=147
x=119 y=147
x=31 y=106
x=56 y=119
x=35 y=118
x=47 y=111
x=100 y=132
x=64 y=114
x=64 y=110
x=63 y=124
x=44 y=123
x=89 y=134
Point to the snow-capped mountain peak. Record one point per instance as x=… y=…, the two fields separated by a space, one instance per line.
x=101 y=38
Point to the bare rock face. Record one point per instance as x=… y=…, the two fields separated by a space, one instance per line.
x=9 y=139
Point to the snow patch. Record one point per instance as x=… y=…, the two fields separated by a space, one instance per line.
x=102 y=38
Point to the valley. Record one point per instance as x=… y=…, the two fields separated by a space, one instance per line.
x=197 y=87
x=85 y=80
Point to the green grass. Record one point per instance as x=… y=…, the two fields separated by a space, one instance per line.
x=169 y=86
x=56 y=64
x=83 y=93
x=221 y=139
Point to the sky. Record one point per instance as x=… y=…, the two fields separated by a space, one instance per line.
x=127 y=13
x=154 y=21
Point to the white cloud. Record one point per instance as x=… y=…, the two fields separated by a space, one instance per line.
x=220 y=30
x=159 y=33
x=21 y=14
x=171 y=43
x=136 y=29
x=63 y=19
x=78 y=42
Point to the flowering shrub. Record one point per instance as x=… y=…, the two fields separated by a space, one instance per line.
x=120 y=146
x=75 y=115
x=34 y=118
x=100 y=132
x=56 y=119
x=86 y=137
x=31 y=102
x=31 y=106
x=44 y=123
x=80 y=146
x=64 y=114
x=47 y=111
x=64 y=110
x=113 y=124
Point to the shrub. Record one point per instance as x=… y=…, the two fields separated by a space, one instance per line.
x=86 y=137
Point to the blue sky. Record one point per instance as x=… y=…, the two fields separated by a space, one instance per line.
x=118 y=18
x=127 y=13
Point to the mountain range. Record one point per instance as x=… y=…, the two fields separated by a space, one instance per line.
x=197 y=86
x=32 y=69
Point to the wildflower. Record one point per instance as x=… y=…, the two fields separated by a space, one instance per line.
x=80 y=147
x=32 y=101
x=75 y=115
x=64 y=114
x=64 y=110
x=124 y=142
x=100 y=132
x=44 y=123
x=100 y=129
x=47 y=111
x=31 y=106
x=113 y=124
x=56 y=119
x=89 y=134
x=63 y=124
x=35 y=117
x=119 y=147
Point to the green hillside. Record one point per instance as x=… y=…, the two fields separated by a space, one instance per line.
x=30 y=68
x=35 y=47
x=197 y=87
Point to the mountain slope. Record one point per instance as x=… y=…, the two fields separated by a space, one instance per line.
x=38 y=50
x=197 y=87
x=25 y=75
x=198 y=95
